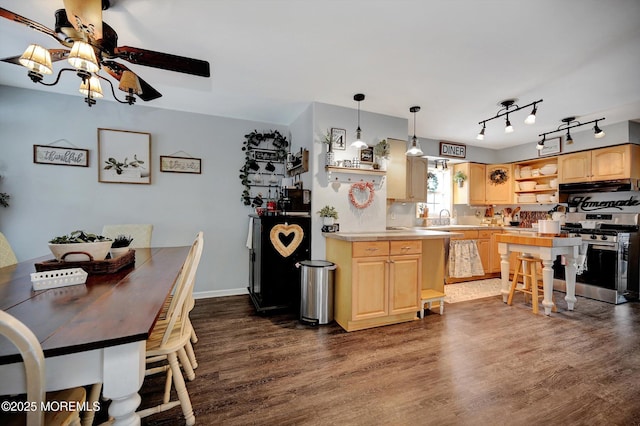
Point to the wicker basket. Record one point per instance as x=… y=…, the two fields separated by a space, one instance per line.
x=92 y=267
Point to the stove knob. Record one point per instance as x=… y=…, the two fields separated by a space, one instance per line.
x=593 y=237
x=604 y=238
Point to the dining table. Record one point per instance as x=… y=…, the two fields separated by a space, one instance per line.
x=93 y=332
x=546 y=247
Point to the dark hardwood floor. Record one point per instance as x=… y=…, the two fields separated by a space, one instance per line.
x=481 y=363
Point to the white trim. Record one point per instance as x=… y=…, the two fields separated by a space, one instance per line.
x=220 y=293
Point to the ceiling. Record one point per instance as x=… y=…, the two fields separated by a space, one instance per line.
x=457 y=59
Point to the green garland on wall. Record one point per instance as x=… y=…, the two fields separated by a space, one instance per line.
x=253 y=141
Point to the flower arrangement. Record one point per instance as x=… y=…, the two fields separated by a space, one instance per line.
x=382 y=149
x=498 y=176
x=328 y=211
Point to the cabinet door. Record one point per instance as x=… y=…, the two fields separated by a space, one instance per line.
x=611 y=163
x=397 y=170
x=483 y=251
x=476 y=181
x=494 y=256
x=370 y=287
x=404 y=283
x=574 y=167
x=499 y=193
x=417 y=178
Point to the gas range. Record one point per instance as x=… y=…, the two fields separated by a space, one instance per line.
x=598 y=226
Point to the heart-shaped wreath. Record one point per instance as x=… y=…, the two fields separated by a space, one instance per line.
x=362 y=187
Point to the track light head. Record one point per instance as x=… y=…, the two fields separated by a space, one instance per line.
x=531 y=118
x=480 y=136
x=508 y=128
x=569 y=138
x=540 y=144
x=597 y=131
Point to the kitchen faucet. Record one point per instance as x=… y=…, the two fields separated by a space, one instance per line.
x=444 y=210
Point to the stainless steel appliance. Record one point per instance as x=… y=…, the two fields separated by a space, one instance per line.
x=610 y=249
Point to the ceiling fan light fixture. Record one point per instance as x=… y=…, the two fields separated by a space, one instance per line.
x=83 y=57
x=415 y=150
x=91 y=88
x=359 y=143
x=598 y=132
x=37 y=59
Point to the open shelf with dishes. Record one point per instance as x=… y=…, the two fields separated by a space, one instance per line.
x=536 y=181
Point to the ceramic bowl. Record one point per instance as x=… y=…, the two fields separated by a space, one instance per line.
x=543 y=198
x=527 y=185
x=549 y=169
x=82 y=251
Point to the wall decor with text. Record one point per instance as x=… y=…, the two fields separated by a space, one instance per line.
x=124 y=156
x=60 y=156
x=180 y=164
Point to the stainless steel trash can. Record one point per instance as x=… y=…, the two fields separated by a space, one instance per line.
x=316 y=291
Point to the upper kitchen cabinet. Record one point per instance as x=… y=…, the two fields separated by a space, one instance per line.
x=615 y=162
x=406 y=176
x=472 y=191
x=499 y=184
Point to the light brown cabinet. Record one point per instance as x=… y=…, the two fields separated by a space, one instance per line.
x=472 y=191
x=377 y=282
x=406 y=176
x=499 y=193
x=615 y=162
x=544 y=183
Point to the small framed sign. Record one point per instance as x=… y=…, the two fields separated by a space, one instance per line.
x=454 y=150
x=180 y=164
x=46 y=154
x=366 y=155
x=551 y=147
x=339 y=139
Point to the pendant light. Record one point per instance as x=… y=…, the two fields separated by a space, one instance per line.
x=358 y=143
x=415 y=149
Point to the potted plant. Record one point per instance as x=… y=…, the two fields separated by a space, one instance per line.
x=120 y=245
x=328 y=215
x=79 y=246
x=459 y=178
x=381 y=152
x=328 y=140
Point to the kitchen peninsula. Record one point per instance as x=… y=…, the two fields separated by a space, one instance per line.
x=380 y=275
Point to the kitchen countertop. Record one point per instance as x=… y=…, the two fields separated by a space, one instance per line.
x=392 y=234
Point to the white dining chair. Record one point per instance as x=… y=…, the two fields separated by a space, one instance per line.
x=7 y=256
x=34 y=365
x=141 y=233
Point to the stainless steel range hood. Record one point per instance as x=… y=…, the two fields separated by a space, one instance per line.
x=599 y=186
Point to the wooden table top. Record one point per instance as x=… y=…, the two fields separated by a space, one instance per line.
x=108 y=310
x=539 y=240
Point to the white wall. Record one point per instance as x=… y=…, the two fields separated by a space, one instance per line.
x=48 y=200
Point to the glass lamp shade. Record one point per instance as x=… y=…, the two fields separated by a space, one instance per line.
x=531 y=119
x=83 y=57
x=415 y=149
x=37 y=59
x=129 y=81
x=359 y=143
x=91 y=85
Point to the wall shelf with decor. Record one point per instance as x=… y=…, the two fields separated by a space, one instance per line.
x=346 y=174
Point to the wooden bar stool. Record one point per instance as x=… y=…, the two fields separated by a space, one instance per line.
x=531 y=282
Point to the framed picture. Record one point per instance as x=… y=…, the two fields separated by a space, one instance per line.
x=46 y=154
x=339 y=138
x=124 y=156
x=551 y=146
x=366 y=155
x=264 y=155
x=180 y=164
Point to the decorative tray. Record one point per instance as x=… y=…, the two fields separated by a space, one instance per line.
x=58 y=278
x=92 y=267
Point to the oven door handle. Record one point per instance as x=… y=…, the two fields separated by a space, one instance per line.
x=611 y=247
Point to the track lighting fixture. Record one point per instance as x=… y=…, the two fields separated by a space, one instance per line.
x=508 y=107
x=358 y=143
x=570 y=123
x=540 y=144
x=441 y=164
x=415 y=149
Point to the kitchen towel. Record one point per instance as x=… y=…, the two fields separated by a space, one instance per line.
x=250 y=234
x=464 y=259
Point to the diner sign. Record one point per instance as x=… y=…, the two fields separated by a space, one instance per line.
x=46 y=154
x=454 y=150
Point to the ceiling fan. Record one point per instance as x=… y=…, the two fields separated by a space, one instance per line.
x=79 y=27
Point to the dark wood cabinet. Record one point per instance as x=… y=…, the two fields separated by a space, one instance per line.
x=278 y=243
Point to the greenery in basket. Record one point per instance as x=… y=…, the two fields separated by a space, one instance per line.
x=382 y=149
x=78 y=237
x=328 y=211
x=121 y=241
x=459 y=176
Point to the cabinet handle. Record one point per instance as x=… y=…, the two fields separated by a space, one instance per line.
x=371 y=249
x=405 y=248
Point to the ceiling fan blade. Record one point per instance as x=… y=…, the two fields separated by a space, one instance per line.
x=164 y=61
x=85 y=16
x=33 y=25
x=116 y=69
x=56 y=55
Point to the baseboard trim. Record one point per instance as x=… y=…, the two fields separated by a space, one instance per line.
x=220 y=293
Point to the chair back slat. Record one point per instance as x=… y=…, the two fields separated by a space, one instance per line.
x=7 y=256
x=33 y=359
x=183 y=291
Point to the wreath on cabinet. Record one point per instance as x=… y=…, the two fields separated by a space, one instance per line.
x=432 y=182
x=498 y=176
x=361 y=187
